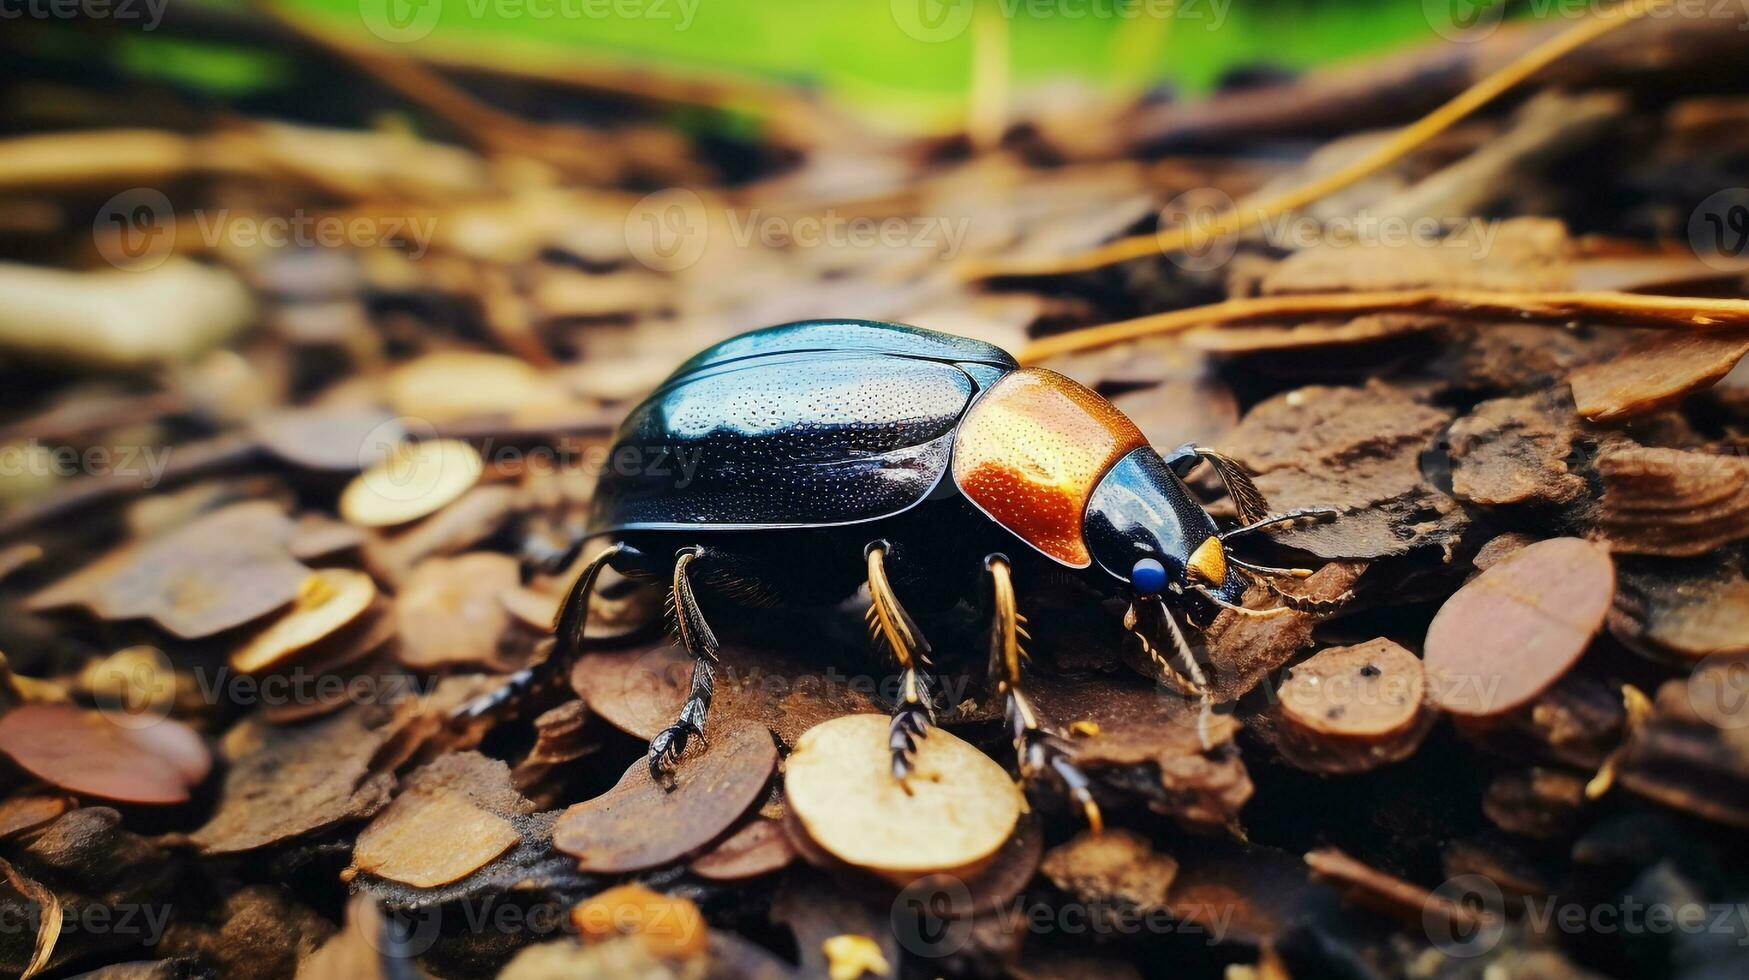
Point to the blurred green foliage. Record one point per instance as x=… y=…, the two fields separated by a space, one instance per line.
x=909 y=61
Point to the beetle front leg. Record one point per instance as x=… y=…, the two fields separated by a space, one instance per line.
x=890 y=625
x=561 y=654
x=1037 y=747
x=693 y=633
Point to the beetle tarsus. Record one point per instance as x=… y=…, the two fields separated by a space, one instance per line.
x=1037 y=747
x=567 y=644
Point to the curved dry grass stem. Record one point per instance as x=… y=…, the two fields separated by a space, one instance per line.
x=1249 y=214
x=1625 y=309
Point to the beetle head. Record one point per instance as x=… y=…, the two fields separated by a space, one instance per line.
x=1148 y=532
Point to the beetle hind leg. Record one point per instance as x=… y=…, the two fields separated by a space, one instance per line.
x=889 y=625
x=1037 y=747
x=695 y=635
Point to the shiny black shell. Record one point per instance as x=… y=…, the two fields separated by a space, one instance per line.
x=811 y=424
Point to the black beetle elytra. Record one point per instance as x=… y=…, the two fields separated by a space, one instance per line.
x=829 y=454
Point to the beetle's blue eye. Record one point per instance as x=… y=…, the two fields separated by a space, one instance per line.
x=1148 y=577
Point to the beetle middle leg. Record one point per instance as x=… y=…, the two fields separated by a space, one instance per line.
x=890 y=625
x=693 y=633
x=1037 y=747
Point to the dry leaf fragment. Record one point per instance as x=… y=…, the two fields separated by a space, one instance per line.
x=1353 y=709
x=1243 y=650
x=640 y=690
x=1670 y=502
x=87 y=753
x=1372 y=690
x=449 y=385
x=449 y=820
x=1117 y=867
x=758 y=848
x=327 y=601
x=954 y=811
x=1682 y=610
x=1526 y=255
x=1514 y=451
x=48 y=928
x=332 y=439
x=450 y=613
x=1357 y=450
x=639 y=824
x=1142 y=727
x=478 y=515
x=1515 y=629
x=1692 y=754
x=414 y=480
x=27 y=811
x=285 y=783
x=669 y=926
x=216 y=573
x=1655 y=372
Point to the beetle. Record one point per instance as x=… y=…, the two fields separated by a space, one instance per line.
x=828 y=455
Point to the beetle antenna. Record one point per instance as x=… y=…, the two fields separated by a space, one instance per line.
x=1206 y=709
x=1204 y=591
x=1270 y=570
x=1306 y=514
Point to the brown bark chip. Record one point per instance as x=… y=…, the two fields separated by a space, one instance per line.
x=285 y=783
x=1117 y=866
x=1514 y=451
x=450 y=819
x=1357 y=450
x=449 y=612
x=1515 y=629
x=1372 y=690
x=1671 y=502
x=1682 y=610
x=638 y=824
x=758 y=848
x=1656 y=372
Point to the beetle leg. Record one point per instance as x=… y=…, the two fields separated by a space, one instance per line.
x=1037 y=747
x=561 y=653
x=891 y=626
x=1196 y=685
x=693 y=633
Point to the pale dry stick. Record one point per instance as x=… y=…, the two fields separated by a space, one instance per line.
x=1623 y=309
x=1244 y=216
x=987 y=105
